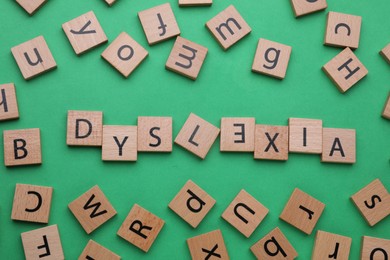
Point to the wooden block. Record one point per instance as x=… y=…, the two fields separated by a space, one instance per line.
x=43 y=243
x=304 y=7
x=94 y=250
x=331 y=246
x=237 y=134
x=32 y=203
x=159 y=23
x=385 y=52
x=186 y=58
x=302 y=211
x=22 y=147
x=141 y=228
x=31 y=6
x=373 y=202
x=154 y=134
x=85 y=128
x=208 y=246
x=386 y=109
x=197 y=136
x=92 y=209
x=375 y=248
x=271 y=58
x=245 y=213
x=119 y=143
x=338 y=145
x=8 y=102
x=305 y=135
x=271 y=142
x=274 y=246
x=342 y=30
x=195 y=2
x=84 y=32
x=33 y=57
x=110 y=2
x=192 y=204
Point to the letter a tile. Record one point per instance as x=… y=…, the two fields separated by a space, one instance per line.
x=338 y=145
x=208 y=246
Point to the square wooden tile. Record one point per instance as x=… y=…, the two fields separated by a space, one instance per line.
x=385 y=52
x=119 y=143
x=305 y=135
x=195 y=2
x=154 y=134
x=304 y=7
x=245 y=213
x=338 y=145
x=159 y=23
x=94 y=250
x=92 y=209
x=271 y=142
x=43 y=243
x=32 y=203
x=84 y=32
x=271 y=58
x=31 y=6
x=331 y=246
x=125 y=54
x=85 y=128
x=186 y=58
x=197 y=135
x=8 y=102
x=375 y=248
x=373 y=202
x=208 y=246
x=237 y=134
x=110 y=2
x=22 y=147
x=302 y=211
x=33 y=57
x=141 y=228
x=228 y=27
x=192 y=203
x=386 y=109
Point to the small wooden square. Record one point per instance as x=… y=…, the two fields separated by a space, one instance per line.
x=228 y=27
x=271 y=58
x=195 y=2
x=338 y=145
x=33 y=57
x=375 y=248
x=154 y=134
x=237 y=134
x=119 y=143
x=159 y=23
x=85 y=128
x=305 y=135
x=385 y=52
x=197 y=135
x=32 y=203
x=94 y=250
x=208 y=246
x=110 y=2
x=22 y=147
x=192 y=204
x=186 y=58
x=331 y=246
x=31 y=6
x=304 y=7
x=386 y=109
x=124 y=54
x=274 y=246
x=92 y=209
x=271 y=142
x=373 y=202
x=84 y=32
x=141 y=228
x=43 y=243
x=8 y=102
x=245 y=213
x=302 y=211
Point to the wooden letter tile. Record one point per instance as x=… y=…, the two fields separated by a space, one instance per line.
x=305 y=135
x=228 y=27
x=154 y=134
x=245 y=213
x=331 y=246
x=385 y=52
x=375 y=248
x=8 y=102
x=119 y=143
x=237 y=134
x=31 y=6
x=271 y=142
x=110 y=2
x=338 y=145
x=195 y=2
x=94 y=250
x=92 y=209
x=303 y=7
x=141 y=228
x=33 y=57
x=197 y=136
x=85 y=128
x=208 y=246
x=192 y=204
x=386 y=109
x=302 y=211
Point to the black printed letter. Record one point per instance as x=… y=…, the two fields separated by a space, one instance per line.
x=245 y=207
x=190 y=59
x=139 y=230
x=194 y=197
x=21 y=147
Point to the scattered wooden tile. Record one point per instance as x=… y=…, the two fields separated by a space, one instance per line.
x=305 y=135
x=375 y=248
x=31 y=6
x=84 y=32
x=94 y=250
x=186 y=58
x=338 y=145
x=197 y=136
x=302 y=211
x=85 y=128
x=331 y=246
x=154 y=134
x=237 y=134
x=385 y=52
x=92 y=209
x=22 y=147
x=373 y=202
x=8 y=102
x=271 y=142
x=192 y=204
x=195 y=2
x=386 y=109
x=110 y=2
x=141 y=228
x=245 y=213
x=33 y=57
x=159 y=23
x=119 y=143
x=304 y=7
x=208 y=246
x=228 y=27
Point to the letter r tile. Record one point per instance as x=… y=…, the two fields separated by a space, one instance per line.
x=85 y=128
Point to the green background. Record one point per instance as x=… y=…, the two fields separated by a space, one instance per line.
x=226 y=87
